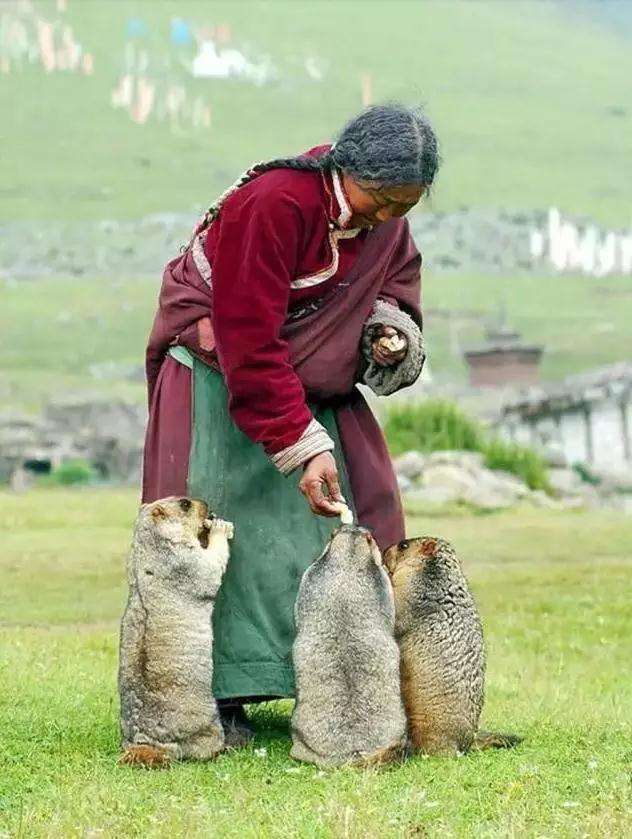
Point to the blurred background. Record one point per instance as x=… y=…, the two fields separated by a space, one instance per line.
x=120 y=122
x=123 y=120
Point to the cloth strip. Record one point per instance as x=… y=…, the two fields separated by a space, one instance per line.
x=314 y=440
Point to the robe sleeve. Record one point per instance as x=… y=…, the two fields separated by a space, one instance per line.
x=398 y=305
x=256 y=258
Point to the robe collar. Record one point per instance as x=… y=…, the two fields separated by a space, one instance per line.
x=344 y=210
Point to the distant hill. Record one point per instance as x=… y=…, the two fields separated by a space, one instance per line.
x=531 y=102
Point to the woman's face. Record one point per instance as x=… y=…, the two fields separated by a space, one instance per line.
x=373 y=204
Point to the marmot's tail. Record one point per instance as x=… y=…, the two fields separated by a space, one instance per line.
x=495 y=740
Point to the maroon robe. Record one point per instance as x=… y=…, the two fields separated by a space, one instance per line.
x=272 y=367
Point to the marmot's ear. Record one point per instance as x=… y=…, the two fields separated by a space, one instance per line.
x=429 y=547
x=158 y=513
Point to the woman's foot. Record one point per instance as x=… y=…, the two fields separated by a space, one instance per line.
x=237 y=730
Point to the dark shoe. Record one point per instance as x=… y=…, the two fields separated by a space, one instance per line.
x=237 y=730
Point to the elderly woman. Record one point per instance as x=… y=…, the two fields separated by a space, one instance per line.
x=300 y=282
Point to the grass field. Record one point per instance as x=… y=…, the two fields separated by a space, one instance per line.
x=552 y=591
x=53 y=331
x=531 y=104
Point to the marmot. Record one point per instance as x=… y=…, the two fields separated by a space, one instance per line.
x=440 y=637
x=178 y=556
x=346 y=660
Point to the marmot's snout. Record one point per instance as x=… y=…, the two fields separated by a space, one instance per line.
x=356 y=541
x=192 y=514
x=352 y=529
x=413 y=552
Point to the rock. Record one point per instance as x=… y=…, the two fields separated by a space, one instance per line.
x=613 y=480
x=472 y=461
x=404 y=483
x=487 y=498
x=572 y=502
x=431 y=495
x=590 y=495
x=108 y=434
x=541 y=499
x=409 y=465
x=21 y=479
x=565 y=481
x=449 y=477
x=507 y=482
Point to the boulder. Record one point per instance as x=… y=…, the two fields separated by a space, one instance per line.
x=565 y=481
x=613 y=479
x=450 y=477
x=507 y=482
x=404 y=483
x=471 y=461
x=488 y=498
x=409 y=465
x=540 y=499
x=431 y=495
x=21 y=479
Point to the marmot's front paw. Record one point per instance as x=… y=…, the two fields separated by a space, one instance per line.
x=221 y=526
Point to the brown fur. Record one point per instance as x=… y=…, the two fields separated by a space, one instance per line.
x=441 y=643
x=146 y=757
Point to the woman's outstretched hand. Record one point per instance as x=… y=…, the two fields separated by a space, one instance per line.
x=321 y=470
x=384 y=356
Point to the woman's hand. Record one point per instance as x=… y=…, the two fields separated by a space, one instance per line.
x=382 y=355
x=320 y=470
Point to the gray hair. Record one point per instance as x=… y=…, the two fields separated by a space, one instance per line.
x=389 y=144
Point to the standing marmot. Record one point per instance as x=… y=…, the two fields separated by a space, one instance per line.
x=175 y=568
x=348 y=701
x=441 y=643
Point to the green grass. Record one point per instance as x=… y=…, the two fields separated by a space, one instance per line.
x=521 y=460
x=434 y=425
x=430 y=426
x=531 y=105
x=53 y=330
x=552 y=591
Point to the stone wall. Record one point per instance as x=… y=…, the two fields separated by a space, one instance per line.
x=588 y=417
x=474 y=238
x=108 y=435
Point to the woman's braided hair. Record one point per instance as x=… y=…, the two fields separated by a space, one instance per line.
x=390 y=144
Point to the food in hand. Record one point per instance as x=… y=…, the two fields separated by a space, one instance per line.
x=394 y=343
x=346 y=516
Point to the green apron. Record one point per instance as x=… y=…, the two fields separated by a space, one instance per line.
x=276 y=538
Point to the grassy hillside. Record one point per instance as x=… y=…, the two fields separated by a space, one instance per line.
x=53 y=332
x=531 y=104
x=556 y=621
